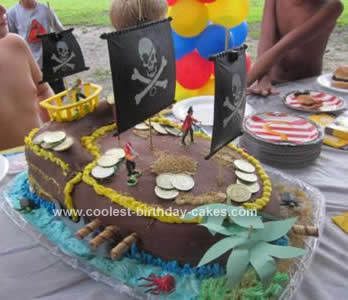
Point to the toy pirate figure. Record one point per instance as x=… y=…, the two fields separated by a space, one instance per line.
x=130 y=164
x=187 y=126
x=78 y=87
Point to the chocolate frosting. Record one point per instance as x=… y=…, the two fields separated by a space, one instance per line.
x=185 y=243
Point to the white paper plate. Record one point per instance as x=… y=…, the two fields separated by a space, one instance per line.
x=203 y=109
x=325 y=81
x=3 y=167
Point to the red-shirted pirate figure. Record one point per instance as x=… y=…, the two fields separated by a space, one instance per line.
x=130 y=164
x=187 y=126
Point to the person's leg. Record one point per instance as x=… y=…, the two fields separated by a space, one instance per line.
x=191 y=134
x=132 y=163
x=184 y=136
x=129 y=167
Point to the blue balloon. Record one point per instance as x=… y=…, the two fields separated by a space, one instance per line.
x=239 y=33
x=183 y=45
x=212 y=40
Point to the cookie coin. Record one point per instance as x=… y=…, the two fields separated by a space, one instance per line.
x=244 y=166
x=107 y=161
x=117 y=152
x=159 y=128
x=142 y=126
x=65 y=145
x=39 y=139
x=102 y=173
x=54 y=137
x=48 y=146
x=164 y=181
x=183 y=182
x=166 y=194
x=248 y=177
x=253 y=187
x=238 y=193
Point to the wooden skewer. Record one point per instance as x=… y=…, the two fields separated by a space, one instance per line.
x=306 y=230
x=90 y=227
x=151 y=141
x=118 y=251
x=104 y=236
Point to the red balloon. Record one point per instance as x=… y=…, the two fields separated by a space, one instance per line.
x=248 y=62
x=206 y=1
x=193 y=71
x=171 y=2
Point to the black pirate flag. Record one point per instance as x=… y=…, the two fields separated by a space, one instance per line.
x=62 y=55
x=143 y=71
x=230 y=92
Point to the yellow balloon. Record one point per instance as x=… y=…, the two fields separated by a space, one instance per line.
x=228 y=13
x=208 y=89
x=190 y=17
x=181 y=93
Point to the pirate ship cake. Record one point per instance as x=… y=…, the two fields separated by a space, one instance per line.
x=87 y=166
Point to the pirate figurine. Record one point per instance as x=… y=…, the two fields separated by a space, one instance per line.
x=187 y=126
x=130 y=164
x=78 y=87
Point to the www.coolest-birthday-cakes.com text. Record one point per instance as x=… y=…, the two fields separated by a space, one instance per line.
x=154 y=212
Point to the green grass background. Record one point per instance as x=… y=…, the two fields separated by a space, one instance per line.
x=95 y=12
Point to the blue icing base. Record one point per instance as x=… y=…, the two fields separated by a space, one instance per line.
x=129 y=269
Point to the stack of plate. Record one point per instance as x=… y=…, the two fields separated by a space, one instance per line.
x=281 y=139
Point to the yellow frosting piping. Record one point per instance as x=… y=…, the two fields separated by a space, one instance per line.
x=47 y=155
x=89 y=142
x=68 y=201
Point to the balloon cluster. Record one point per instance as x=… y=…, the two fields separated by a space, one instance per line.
x=199 y=31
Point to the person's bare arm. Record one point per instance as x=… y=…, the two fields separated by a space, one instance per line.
x=327 y=15
x=43 y=90
x=268 y=39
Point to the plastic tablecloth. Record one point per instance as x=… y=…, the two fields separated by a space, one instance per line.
x=28 y=271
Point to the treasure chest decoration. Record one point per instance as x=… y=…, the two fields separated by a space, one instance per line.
x=143 y=71
x=230 y=97
x=62 y=55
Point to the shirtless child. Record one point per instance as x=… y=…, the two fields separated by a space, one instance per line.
x=20 y=91
x=293 y=40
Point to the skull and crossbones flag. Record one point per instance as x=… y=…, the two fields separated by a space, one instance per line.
x=230 y=97
x=143 y=71
x=62 y=55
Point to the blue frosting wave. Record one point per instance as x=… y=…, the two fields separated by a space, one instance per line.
x=135 y=265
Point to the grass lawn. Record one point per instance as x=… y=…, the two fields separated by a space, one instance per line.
x=95 y=12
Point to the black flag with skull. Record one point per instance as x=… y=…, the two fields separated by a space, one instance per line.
x=143 y=71
x=230 y=95
x=62 y=55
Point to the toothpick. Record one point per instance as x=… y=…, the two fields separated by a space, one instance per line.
x=227 y=37
x=151 y=142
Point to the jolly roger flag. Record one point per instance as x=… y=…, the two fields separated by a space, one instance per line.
x=230 y=95
x=62 y=55
x=143 y=71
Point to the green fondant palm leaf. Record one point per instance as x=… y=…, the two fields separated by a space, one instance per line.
x=219 y=249
x=274 y=230
x=237 y=264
